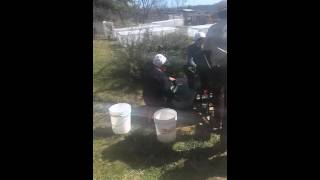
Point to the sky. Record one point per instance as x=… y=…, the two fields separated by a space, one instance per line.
x=195 y=2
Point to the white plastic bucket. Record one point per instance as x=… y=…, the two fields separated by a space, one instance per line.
x=165 y=122
x=120 y=115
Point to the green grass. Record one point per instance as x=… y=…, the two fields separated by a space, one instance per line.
x=138 y=155
x=103 y=52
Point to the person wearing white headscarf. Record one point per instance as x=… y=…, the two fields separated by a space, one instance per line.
x=156 y=84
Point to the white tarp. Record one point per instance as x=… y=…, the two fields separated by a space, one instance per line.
x=119 y=33
x=129 y=36
x=136 y=27
x=192 y=30
x=135 y=33
x=169 y=23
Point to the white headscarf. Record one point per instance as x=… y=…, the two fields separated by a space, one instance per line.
x=159 y=60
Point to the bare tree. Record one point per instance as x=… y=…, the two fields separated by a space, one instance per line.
x=177 y=3
x=184 y=2
x=180 y=3
x=162 y=4
x=110 y=9
x=147 y=5
x=160 y=8
x=143 y=8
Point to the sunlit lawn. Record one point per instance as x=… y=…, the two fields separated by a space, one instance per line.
x=138 y=155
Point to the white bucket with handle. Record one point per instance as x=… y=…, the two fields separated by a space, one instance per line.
x=165 y=122
x=120 y=116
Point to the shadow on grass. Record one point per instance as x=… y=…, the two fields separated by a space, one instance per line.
x=102 y=132
x=199 y=170
x=198 y=167
x=141 y=150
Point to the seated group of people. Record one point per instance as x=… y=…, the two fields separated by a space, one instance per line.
x=157 y=84
x=209 y=64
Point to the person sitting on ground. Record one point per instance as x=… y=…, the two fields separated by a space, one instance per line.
x=156 y=84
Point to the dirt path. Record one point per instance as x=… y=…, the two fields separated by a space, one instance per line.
x=138 y=116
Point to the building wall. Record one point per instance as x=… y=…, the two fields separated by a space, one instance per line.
x=193 y=19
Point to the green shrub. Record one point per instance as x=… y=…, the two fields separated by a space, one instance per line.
x=126 y=67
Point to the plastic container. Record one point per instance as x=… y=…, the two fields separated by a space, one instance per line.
x=120 y=116
x=165 y=123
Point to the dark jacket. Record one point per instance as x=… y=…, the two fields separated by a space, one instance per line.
x=217 y=38
x=197 y=54
x=156 y=86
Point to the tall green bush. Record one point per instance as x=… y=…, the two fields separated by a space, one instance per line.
x=126 y=67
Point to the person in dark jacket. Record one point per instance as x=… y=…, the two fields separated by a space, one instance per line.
x=197 y=60
x=216 y=42
x=156 y=84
